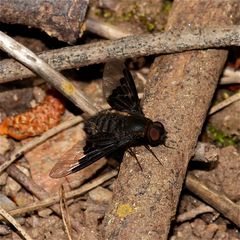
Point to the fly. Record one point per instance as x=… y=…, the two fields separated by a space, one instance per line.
x=119 y=129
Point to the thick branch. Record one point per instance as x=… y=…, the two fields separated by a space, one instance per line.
x=132 y=46
x=178 y=93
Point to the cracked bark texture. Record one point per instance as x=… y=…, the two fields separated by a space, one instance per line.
x=179 y=92
x=61 y=19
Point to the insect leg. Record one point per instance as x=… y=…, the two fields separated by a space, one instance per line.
x=134 y=155
x=152 y=152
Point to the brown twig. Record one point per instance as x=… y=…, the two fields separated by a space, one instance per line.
x=32 y=187
x=225 y=103
x=38 y=140
x=33 y=62
x=193 y=213
x=127 y=47
x=218 y=201
x=69 y=195
x=65 y=217
x=11 y=220
x=104 y=29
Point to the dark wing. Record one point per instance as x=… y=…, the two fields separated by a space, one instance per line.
x=120 y=89
x=77 y=158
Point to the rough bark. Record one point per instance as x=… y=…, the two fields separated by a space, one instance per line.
x=127 y=47
x=62 y=19
x=178 y=93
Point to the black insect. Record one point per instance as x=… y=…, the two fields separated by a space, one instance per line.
x=122 y=127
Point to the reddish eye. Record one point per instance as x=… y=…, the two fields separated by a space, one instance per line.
x=154 y=134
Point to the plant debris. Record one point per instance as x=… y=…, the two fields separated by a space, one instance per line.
x=35 y=121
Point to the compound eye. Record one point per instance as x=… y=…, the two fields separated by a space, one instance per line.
x=156 y=134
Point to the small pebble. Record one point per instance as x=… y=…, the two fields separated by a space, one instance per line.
x=101 y=194
x=198 y=227
x=6 y=203
x=210 y=231
x=38 y=94
x=4 y=230
x=20 y=220
x=33 y=221
x=34 y=232
x=44 y=212
x=12 y=187
x=23 y=199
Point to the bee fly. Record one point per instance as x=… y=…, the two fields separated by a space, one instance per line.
x=122 y=127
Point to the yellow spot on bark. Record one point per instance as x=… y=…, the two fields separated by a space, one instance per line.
x=124 y=210
x=68 y=88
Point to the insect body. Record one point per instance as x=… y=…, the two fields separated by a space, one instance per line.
x=134 y=129
x=119 y=129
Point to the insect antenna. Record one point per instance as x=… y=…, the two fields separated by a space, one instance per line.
x=152 y=152
x=134 y=155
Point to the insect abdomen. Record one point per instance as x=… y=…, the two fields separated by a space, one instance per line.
x=104 y=123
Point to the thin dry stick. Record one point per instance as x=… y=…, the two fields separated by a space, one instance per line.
x=38 y=206
x=104 y=29
x=35 y=189
x=69 y=195
x=10 y=219
x=38 y=140
x=66 y=219
x=33 y=62
x=127 y=47
x=193 y=213
x=225 y=103
x=218 y=201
